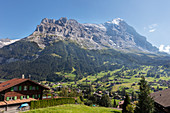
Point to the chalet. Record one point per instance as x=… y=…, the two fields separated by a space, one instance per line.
x=19 y=90
x=162 y=101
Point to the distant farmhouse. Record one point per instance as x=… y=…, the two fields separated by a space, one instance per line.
x=162 y=101
x=19 y=90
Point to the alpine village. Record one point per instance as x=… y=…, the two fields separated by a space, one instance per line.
x=67 y=66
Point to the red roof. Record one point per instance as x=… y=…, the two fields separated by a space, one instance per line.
x=10 y=83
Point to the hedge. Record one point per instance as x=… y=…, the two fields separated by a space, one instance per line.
x=51 y=102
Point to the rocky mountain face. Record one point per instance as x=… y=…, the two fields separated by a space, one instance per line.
x=6 y=41
x=66 y=46
x=115 y=34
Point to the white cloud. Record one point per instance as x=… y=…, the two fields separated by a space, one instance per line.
x=166 y=49
x=161 y=47
x=151 y=28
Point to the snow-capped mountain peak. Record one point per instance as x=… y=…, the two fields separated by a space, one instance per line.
x=115 y=21
x=115 y=34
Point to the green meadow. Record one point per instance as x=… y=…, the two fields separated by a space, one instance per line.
x=72 y=108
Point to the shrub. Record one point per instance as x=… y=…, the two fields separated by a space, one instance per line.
x=51 y=102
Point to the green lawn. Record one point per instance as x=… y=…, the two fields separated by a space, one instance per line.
x=72 y=108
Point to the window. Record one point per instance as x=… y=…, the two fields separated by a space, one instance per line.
x=25 y=88
x=16 y=88
x=24 y=97
x=20 y=88
x=11 y=98
x=30 y=88
x=12 y=88
x=33 y=87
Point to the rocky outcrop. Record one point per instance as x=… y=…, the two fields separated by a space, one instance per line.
x=115 y=34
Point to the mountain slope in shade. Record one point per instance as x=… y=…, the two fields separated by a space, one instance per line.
x=115 y=34
x=24 y=57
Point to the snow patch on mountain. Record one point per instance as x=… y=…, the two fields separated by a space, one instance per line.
x=4 y=42
x=100 y=26
x=115 y=21
x=115 y=34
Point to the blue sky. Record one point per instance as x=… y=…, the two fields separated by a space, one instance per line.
x=150 y=18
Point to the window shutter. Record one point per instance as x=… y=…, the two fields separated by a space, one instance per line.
x=12 y=88
x=27 y=96
x=32 y=96
x=21 y=97
x=30 y=88
x=7 y=98
x=15 y=97
x=20 y=88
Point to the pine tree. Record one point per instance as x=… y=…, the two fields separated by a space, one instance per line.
x=145 y=103
x=125 y=104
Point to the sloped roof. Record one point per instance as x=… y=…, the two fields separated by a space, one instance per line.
x=10 y=83
x=162 y=97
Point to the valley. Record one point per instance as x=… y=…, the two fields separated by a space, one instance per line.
x=114 y=83
x=98 y=64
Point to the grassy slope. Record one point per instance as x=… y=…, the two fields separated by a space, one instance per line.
x=125 y=82
x=71 y=108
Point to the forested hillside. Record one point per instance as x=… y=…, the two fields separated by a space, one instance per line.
x=24 y=57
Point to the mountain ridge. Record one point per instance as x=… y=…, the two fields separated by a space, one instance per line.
x=59 y=46
x=115 y=34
